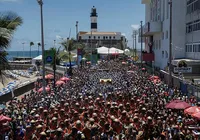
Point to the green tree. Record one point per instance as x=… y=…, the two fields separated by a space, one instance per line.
x=39 y=44
x=31 y=44
x=9 y=21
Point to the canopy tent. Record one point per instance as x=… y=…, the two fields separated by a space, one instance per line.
x=102 y=50
x=105 y=50
x=38 y=58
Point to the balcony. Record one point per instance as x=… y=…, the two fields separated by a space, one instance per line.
x=147 y=56
x=152 y=28
x=146 y=1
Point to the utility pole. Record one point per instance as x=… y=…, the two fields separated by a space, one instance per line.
x=54 y=67
x=141 y=35
x=77 y=31
x=170 y=80
x=135 y=44
x=77 y=41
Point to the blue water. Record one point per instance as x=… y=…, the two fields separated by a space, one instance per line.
x=12 y=54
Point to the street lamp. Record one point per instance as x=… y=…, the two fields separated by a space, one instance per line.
x=40 y=2
x=141 y=41
x=170 y=80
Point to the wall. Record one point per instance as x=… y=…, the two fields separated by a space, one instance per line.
x=17 y=92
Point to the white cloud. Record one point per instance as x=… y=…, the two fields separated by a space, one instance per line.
x=135 y=26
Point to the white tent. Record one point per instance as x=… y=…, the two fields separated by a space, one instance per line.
x=115 y=50
x=102 y=50
x=38 y=58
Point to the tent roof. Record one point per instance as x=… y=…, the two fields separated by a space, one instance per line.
x=38 y=57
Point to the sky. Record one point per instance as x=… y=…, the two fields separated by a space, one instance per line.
x=61 y=15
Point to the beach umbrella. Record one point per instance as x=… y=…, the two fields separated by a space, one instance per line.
x=153 y=77
x=196 y=115
x=65 y=79
x=143 y=69
x=192 y=110
x=46 y=88
x=4 y=119
x=49 y=76
x=58 y=83
x=177 y=104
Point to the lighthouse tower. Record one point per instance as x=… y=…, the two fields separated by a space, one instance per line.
x=93 y=17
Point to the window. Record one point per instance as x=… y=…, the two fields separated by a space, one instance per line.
x=110 y=37
x=166 y=35
x=104 y=37
x=94 y=37
x=113 y=37
x=98 y=37
x=167 y=7
x=166 y=54
x=89 y=37
x=163 y=53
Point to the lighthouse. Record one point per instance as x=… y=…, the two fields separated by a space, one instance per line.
x=93 y=17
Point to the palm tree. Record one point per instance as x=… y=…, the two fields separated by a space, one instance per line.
x=38 y=47
x=31 y=44
x=56 y=61
x=69 y=46
x=9 y=21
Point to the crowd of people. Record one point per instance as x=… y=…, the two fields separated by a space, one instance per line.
x=129 y=107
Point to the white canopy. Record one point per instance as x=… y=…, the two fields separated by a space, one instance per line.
x=115 y=50
x=39 y=58
x=105 y=50
x=102 y=50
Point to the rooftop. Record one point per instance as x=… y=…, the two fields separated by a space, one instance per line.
x=99 y=33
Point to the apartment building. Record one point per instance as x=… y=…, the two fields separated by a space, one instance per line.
x=185 y=30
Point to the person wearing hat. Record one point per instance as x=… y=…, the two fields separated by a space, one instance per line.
x=43 y=136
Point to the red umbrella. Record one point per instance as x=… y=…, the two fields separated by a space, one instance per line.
x=123 y=62
x=4 y=119
x=49 y=76
x=60 y=83
x=196 y=115
x=156 y=81
x=64 y=79
x=177 y=104
x=192 y=110
x=46 y=88
x=143 y=69
x=154 y=77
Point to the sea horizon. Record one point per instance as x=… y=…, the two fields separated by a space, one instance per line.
x=12 y=54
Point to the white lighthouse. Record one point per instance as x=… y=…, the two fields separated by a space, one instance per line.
x=93 y=17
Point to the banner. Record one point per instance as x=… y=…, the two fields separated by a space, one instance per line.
x=49 y=56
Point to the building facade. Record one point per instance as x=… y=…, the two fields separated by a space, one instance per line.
x=185 y=30
x=95 y=38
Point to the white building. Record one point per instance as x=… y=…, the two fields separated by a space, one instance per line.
x=185 y=29
x=96 y=38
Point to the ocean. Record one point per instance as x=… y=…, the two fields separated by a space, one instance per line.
x=12 y=54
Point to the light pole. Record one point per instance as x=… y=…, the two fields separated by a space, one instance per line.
x=40 y=2
x=141 y=35
x=170 y=80
x=77 y=31
x=77 y=42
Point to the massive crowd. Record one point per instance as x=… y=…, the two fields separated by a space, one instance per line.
x=129 y=107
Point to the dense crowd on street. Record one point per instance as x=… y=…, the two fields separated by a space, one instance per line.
x=129 y=107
